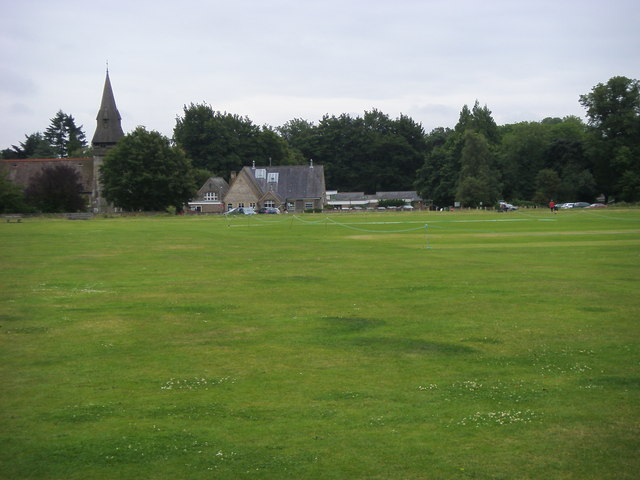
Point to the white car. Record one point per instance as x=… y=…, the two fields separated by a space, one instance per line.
x=507 y=207
x=241 y=211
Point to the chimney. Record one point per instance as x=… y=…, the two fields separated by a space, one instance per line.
x=311 y=163
x=233 y=176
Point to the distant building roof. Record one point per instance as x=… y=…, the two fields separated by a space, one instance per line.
x=355 y=196
x=21 y=171
x=407 y=195
x=290 y=181
x=349 y=196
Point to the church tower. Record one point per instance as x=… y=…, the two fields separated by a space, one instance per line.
x=108 y=132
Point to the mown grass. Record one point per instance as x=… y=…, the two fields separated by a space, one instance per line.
x=484 y=345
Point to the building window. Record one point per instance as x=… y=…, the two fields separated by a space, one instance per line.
x=272 y=177
x=252 y=204
x=211 y=196
x=229 y=206
x=241 y=205
x=270 y=203
x=261 y=173
x=308 y=205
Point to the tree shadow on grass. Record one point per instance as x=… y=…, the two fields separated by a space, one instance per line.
x=345 y=325
x=342 y=332
x=410 y=345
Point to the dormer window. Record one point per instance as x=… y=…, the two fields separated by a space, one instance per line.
x=261 y=173
x=272 y=177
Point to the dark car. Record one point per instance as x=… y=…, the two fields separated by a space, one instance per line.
x=269 y=210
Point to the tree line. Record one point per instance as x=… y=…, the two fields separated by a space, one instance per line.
x=475 y=163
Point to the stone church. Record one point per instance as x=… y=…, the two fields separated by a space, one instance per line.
x=108 y=132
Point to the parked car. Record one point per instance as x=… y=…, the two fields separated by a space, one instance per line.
x=596 y=205
x=269 y=210
x=581 y=205
x=564 y=206
x=241 y=211
x=507 y=207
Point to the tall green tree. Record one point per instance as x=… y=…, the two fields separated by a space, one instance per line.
x=478 y=119
x=478 y=182
x=547 y=185
x=144 y=171
x=438 y=179
x=613 y=110
x=65 y=138
x=520 y=156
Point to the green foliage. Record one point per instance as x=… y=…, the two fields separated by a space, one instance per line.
x=370 y=153
x=200 y=176
x=547 y=186
x=11 y=195
x=65 y=138
x=223 y=142
x=521 y=155
x=34 y=146
x=508 y=349
x=614 y=117
x=479 y=120
x=441 y=179
x=478 y=184
x=145 y=172
x=56 y=189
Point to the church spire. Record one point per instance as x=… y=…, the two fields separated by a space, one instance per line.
x=109 y=129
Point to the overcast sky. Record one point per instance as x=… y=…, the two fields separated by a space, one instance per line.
x=275 y=60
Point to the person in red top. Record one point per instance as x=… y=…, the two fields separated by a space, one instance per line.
x=552 y=206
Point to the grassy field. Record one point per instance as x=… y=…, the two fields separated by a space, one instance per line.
x=367 y=346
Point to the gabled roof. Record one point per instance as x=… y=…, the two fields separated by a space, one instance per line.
x=109 y=128
x=214 y=184
x=289 y=182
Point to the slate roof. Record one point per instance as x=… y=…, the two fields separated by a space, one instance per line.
x=213 y=184
x=349 y=196
x=21 y=171
x=409 y=195
x=360 y=196
x=109 y=128
x=293 y=181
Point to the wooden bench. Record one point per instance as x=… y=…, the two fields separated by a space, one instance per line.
x=78 y=216
x=17 y=218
